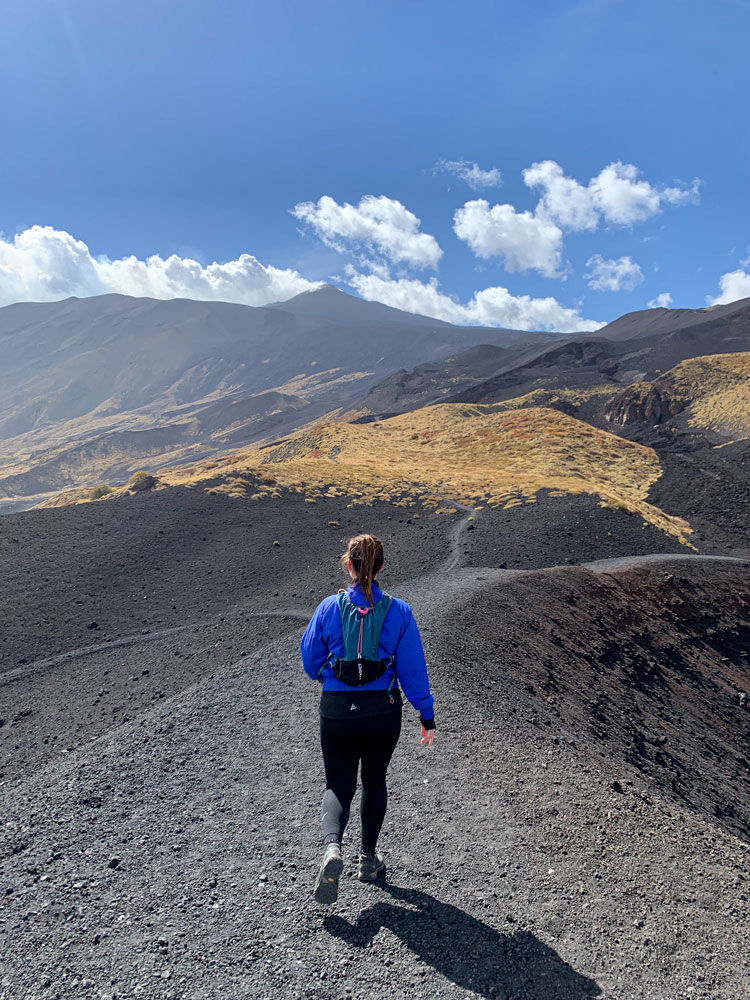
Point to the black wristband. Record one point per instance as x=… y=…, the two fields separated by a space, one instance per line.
x=428 y=723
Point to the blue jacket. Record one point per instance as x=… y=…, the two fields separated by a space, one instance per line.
x=399 y=638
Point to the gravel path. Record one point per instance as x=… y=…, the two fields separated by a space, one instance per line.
x=170 y=852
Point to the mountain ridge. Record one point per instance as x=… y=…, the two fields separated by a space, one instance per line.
x=78 y=369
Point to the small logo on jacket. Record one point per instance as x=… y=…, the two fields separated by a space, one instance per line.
x=352 y=708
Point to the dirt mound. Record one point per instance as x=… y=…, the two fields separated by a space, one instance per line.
x=645 y=665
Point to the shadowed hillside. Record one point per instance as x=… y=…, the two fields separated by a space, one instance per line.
x=638 y=346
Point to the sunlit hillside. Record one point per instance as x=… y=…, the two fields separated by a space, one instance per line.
x=714 y=391
x=719 y=387
x=497 y=454
x=448 y=453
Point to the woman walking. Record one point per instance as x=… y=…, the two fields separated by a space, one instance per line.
x=360 y=645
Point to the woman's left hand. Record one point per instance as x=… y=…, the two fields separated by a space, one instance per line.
x=428 y=735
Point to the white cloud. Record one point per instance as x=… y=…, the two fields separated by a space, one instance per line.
x=493 y=306
x=377 y=224
x=526 y=240
x=618 y=275
x=523 y=240
x=408 y=294
x=617 y=195
x=685 y=195
x=564 y=200
x=734 y=285
x=621 y=197
x=471 y=173
x=43 y=264
x=662 y=301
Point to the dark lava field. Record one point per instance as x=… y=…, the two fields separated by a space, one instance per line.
x=581 y=827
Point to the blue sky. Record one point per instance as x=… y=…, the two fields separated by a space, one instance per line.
x=243 y=151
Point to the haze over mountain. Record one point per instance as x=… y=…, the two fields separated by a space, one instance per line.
x=97 y=386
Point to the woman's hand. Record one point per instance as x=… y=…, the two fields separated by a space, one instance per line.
x=428 y=735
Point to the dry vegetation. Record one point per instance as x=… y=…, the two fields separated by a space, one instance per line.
x=536 y=397
x=719 y=387
x=548 y=397
x=498 y=454
x=492 y=455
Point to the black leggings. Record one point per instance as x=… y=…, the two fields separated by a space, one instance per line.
x=345 y=743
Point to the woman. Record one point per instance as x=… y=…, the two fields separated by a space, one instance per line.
x=360 y=645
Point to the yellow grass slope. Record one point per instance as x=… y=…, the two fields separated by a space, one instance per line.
x=498 y=454
x=478 y=454
x=719 y=387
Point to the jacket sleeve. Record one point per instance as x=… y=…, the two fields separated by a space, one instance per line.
x=313 y=646
x=411 y=670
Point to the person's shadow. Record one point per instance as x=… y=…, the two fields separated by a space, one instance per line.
x=473 y=955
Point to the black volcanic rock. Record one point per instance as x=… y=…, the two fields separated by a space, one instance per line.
x=641 y=403
x=436 y=381
x=679 y=322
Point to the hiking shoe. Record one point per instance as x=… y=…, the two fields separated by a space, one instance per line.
x=370 y=866
x=327 y=882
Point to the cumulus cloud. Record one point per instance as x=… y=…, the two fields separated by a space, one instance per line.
x=621 y=197
x=494 y=306
x=524 y=241
x=378 y=224
x=564 y=200
x=471 y=173
x=734 y=285
x=662 y=301
x=43 y=264
x=618 y=275
x=617 y=195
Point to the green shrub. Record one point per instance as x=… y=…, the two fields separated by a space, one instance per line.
x=100 y=491
x=137 y=476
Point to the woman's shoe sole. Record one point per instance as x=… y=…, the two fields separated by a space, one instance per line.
x=327 y=884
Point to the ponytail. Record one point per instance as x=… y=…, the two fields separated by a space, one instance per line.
x=366 y=554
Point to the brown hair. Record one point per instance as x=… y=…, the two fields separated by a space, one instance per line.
x=366 y=554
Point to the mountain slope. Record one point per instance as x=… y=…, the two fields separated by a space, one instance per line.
x=661 y=322
x=82 y=368
x=637 y=346
x=433 y=381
